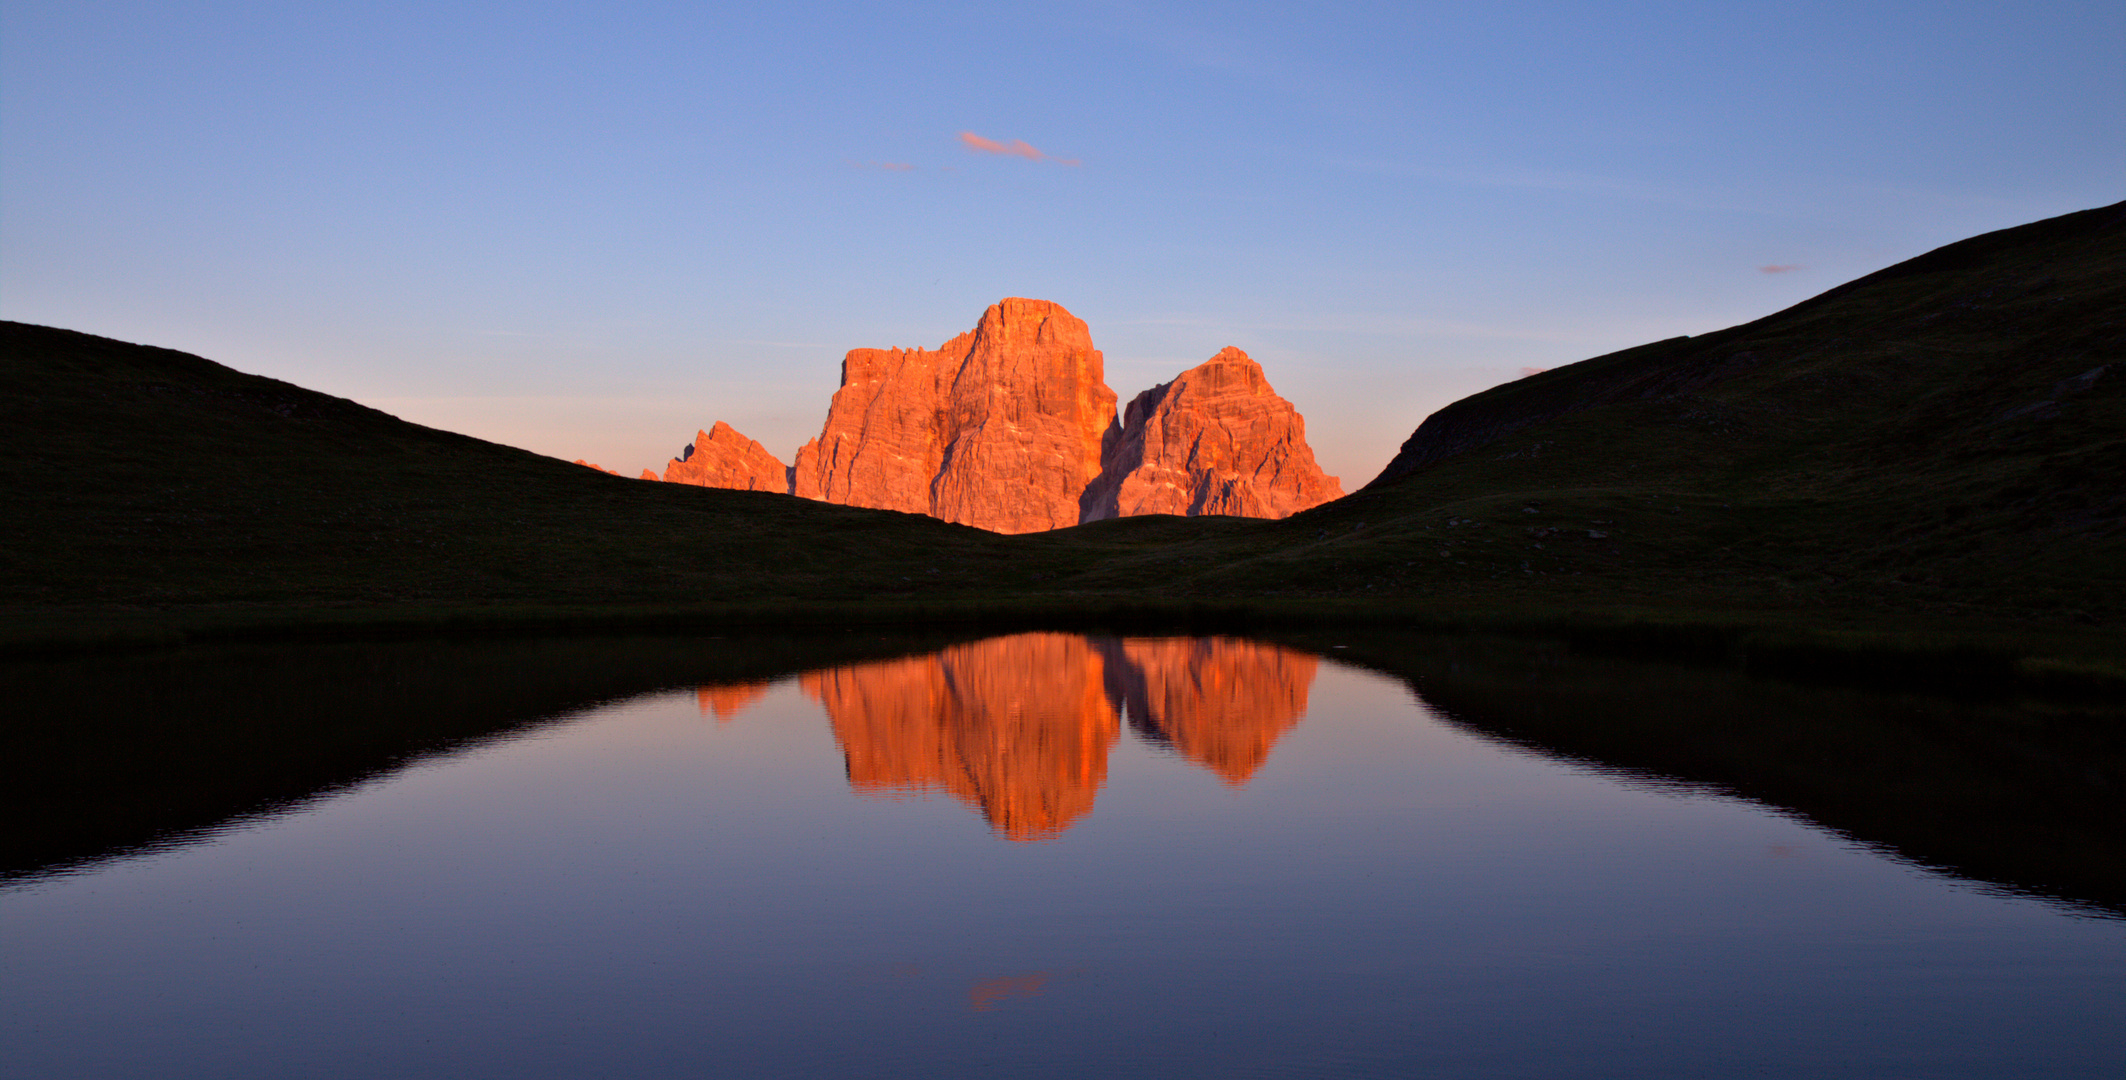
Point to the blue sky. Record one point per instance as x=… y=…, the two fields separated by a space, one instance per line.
x=588 y=230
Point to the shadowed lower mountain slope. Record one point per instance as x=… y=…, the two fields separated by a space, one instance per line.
x=1938 y=441
x=144 y=478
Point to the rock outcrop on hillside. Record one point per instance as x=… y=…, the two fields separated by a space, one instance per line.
x=722 y=458
x=1216 y=440
x=999 y=428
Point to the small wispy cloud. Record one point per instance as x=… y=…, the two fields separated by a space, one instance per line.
x=883 y=166
x=1778 y=268
x=1014 y=148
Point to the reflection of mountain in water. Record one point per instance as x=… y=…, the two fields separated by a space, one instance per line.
x=726 y=702
x=1017 y=726
x=1219 y=702
x=1020 y=726
x=2021 y=794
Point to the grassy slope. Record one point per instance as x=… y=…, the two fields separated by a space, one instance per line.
x=143 y=478
x=1880 y=449
x=1869 y=458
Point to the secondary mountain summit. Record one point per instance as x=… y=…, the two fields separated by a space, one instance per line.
x=1011 y=427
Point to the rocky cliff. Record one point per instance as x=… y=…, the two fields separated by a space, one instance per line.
x=1011 y=427
x=721 y=457
x=999 y=428
x=1216 y=440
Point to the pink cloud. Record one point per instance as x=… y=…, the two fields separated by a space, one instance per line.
x=1778 y=269
x=1015 y=148
x=884 y=166
x=1527 y=371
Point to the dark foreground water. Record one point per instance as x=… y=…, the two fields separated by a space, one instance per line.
x=1044 y=855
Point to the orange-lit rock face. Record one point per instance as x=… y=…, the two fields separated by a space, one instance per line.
x=1221 y=703
x=720 y=457
x=1000 y=428
x=1216 y=440
x=1020 y=727
x=591 y=465
x=1011 y=427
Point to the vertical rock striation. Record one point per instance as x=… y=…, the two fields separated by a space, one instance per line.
x=1216 y=440
x=999 y=428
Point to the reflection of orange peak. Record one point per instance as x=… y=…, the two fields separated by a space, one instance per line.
x=726 y=702
x=1019 y=727
x=1218 y=702
x=983 y=996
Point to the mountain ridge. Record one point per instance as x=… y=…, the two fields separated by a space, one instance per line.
x=1935 y=445
x=1011 y=427
x=1681 y=365
x=1213 y=440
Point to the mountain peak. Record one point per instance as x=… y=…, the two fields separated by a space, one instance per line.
x=1011 y=427
x=1216 y=440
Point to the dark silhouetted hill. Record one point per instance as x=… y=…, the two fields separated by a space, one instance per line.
x=1937 y=443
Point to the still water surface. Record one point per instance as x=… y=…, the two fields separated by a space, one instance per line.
x=1043 y=855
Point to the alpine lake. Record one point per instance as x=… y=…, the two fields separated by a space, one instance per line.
x=1045 y=854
